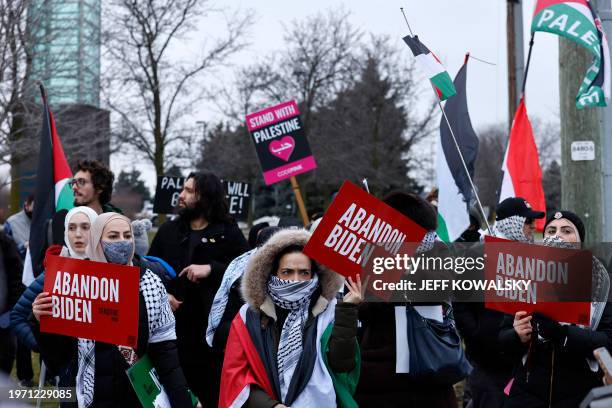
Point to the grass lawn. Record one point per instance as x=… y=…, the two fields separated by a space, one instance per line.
x=36 y=369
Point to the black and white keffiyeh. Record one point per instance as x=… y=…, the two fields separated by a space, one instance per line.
x=293 y=296
x=234 y=271
x=512 y=228
x=161 y=328
x=427 y=243
x=600 y=281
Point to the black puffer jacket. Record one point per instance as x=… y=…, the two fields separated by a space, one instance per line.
x=566 y=370
x=112 y=387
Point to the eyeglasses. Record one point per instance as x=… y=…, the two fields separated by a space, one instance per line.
x=80 y=182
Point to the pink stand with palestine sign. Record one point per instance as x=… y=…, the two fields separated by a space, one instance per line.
x=280 y=142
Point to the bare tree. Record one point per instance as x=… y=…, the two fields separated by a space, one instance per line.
x=318 y=60
x=493 y=144
x=14 y=68
x=149 y=89
x=488 y=173
x=548 y=139
x=15 y=88
x=27 y=38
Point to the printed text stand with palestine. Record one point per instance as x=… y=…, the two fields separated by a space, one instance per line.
x=282 y=148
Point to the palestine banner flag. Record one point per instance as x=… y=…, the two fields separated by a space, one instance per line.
x=577 y=21
x=454 y=188
x=53 y=193
x=521 y=167
x=433 y=68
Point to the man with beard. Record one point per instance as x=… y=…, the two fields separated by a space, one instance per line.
x=199 y=243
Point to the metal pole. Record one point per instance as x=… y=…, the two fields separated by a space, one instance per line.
x=605 y=13
x=484 y=215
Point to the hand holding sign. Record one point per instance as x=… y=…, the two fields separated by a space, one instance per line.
x=522 y=326
x=91 y=300
x=42 y=305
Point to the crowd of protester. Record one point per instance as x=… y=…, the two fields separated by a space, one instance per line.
x=258 y=323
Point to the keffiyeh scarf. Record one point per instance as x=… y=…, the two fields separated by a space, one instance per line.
x=234 y=271
x=512 y=228
x=600 y=282
x=428 y=242
x=161 y=328
x=293 y=296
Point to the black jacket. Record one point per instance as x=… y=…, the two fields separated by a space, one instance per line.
x=342 y=346
x=566 y=369
x=11 y=268
x=112 y=387
x=224 y=242
x=479 y=328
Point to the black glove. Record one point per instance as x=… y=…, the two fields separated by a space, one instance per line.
x=548 y=328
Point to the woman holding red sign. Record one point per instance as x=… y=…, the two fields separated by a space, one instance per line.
x=291 y=344
x=555 y=364
x=101 y=379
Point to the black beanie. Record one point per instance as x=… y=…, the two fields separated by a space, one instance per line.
x=414 y=207
x=570 y=216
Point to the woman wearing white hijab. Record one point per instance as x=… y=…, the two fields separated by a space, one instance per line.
x=102 y=380
x=77 y=224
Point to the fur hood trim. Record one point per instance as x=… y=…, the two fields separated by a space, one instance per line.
x=259 y=268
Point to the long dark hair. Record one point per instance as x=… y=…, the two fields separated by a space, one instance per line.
x=211 y=197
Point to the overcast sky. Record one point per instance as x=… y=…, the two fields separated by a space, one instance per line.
x=448 y=27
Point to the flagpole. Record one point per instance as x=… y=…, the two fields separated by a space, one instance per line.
x=484 y=216
x=406 y=19
x=365 y=184
x=527 y=67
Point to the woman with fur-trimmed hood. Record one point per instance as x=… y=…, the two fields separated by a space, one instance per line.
x=291 y=344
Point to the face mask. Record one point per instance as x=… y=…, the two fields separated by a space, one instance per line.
x=118 y=252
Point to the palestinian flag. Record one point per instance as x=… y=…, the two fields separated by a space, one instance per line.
x=53 y=193
x=433 y=68
x=577 y=21
x=244 y=369
x=521 y=167
x=454 y=187
x=247 y=363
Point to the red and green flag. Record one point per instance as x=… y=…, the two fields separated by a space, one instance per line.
x=433 y=68
x=53 y=192
x=577 y=21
